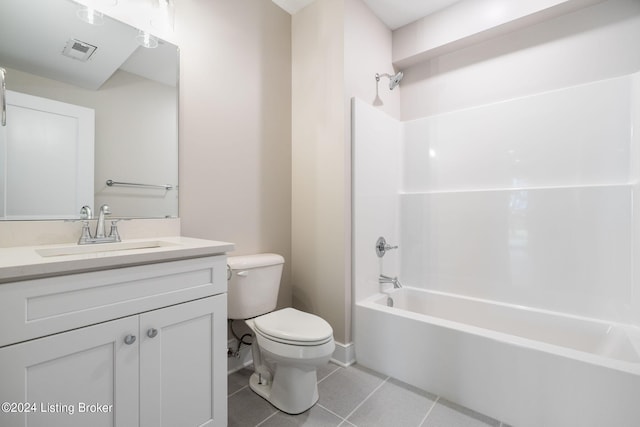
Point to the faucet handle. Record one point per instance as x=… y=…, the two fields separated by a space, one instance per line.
x=382 y=247
x=85 y=237
x=113 y=233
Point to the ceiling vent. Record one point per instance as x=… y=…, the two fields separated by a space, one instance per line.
x=79 y=50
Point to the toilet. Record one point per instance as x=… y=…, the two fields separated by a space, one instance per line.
x=289 y=345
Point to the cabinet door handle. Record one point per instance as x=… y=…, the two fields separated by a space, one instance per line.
x=152 y=332
x=129 y=339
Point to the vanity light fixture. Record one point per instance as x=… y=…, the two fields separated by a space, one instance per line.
x=162 y=15
x=89 y=14
x=146 y=39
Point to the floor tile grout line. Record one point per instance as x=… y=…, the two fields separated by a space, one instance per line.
x=267 y=419
x=433 y=405
x=347 y=422
x=329 y=374
x=366 y=398
x=342 y=419
x=237 y=391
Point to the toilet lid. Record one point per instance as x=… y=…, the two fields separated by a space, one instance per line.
x=293 y=326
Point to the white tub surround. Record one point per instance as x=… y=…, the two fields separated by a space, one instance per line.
x=525 y=366
x=527 y=201
x=377 y=173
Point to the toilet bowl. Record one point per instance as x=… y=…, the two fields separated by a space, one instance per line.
x=288 y=355
x=289 y=345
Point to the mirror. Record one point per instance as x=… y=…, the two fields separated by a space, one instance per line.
x=133 y=93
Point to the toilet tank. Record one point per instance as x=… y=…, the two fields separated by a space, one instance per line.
x=253 y=285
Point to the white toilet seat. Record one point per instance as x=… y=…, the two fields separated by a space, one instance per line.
x=294 y=327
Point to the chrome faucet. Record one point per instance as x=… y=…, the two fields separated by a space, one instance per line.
x=386 y=279
x=104 y=210
x=100 y=234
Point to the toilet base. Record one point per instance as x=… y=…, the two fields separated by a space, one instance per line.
x=293 y=390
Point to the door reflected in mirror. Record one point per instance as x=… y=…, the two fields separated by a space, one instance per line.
x=132 y=92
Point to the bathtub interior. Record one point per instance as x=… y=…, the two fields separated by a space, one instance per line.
x=605 y=341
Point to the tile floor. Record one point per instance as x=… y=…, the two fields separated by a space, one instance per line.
x=353 y=396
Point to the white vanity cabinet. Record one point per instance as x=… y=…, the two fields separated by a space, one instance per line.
x=178 y=382
x=44 y=380
x=134 y=346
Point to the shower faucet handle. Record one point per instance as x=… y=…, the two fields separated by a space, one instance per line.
x=382 y=247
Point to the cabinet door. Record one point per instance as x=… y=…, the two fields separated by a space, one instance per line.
x=84 y=377
x=183 y=378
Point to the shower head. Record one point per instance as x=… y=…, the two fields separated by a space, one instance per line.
x=393 y=80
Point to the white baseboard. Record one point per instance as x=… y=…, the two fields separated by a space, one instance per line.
x=343 y=355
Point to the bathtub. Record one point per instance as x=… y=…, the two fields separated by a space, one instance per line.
x=523 y=366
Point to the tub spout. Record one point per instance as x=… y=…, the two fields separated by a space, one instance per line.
x=386 y=279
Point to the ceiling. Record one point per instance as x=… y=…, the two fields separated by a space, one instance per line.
x=394 y=13
x=398 y=13
x=32 y=41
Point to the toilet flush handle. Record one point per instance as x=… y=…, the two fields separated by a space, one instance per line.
x=243 y=273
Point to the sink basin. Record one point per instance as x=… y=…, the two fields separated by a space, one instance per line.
x=100 y=248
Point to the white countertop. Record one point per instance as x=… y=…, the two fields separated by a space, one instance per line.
x=26 y=262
